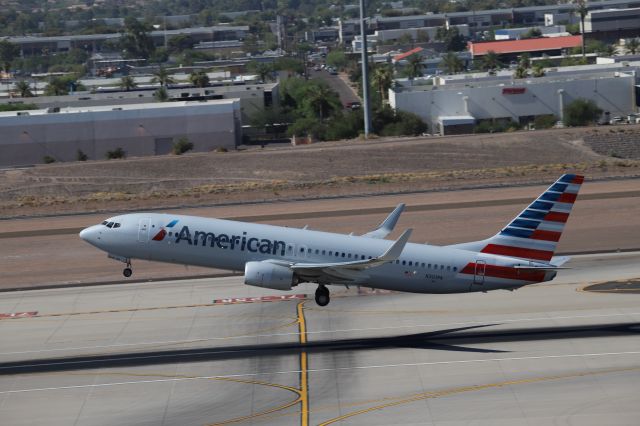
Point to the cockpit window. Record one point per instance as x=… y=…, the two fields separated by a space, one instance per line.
x=110 y=224
x=116 y=225
x=105 y=222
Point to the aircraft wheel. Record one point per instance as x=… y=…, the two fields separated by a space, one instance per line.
x=127 y=272
x=322 y=296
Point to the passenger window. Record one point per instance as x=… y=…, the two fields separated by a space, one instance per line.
x=448 y=268
x=342 y=254
x=423 y=264
x=349 y=256
x=410 y=263
x=330 y=252
x=441 y=267
x=362 y=257
x=337 y=254
x=301 y=250
x=455 y=268
x=397 y=262
x=429 y=266
x=324 y=251
x=404 y=262
x=317 y=251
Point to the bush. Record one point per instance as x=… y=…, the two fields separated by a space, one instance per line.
x=496 y=127
x=581 y=112
x=48 y=159
x=17 y=107
x=345 y=125
x=81 y=156
x=116 y=153
x=387 y=122
x=183 y=145
x=545 y=121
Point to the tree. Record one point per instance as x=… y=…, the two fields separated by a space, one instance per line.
x=127 y=83
x=321 y=98
x=532 y=33
x=163 y=77
x=520 y=72
x=538 y=71
x=8 y=52
x=199 y=78
x=136 y=40
x=59 y=86
x=263 y=70
x=382 y=78
x=161 y=94
x=490 y=61
x=582 y=10
x=180 y=42
x=632 y=46
x=581 y=112
x=414 y=66
x=24 y=88
x=337 y=59
x=451 y=63
x=451 y=37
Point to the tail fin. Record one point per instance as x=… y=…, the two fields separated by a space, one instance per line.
x=534 y=233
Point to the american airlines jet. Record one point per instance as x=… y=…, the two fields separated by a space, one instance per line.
x=280 y=258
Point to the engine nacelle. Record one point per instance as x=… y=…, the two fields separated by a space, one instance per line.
x=269 y=275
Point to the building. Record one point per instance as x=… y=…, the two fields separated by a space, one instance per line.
x=140 y=129
x=458 y=105
x=518 y=33
x=613 y=24
x=35 y=45
x=511 y=49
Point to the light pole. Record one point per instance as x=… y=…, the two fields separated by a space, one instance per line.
x=365 y=73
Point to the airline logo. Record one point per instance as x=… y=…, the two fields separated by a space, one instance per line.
x=163 y=232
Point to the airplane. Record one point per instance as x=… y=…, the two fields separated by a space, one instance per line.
x=280 y=258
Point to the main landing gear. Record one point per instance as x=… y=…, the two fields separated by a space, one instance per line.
x=322 y=295
x=127 y=272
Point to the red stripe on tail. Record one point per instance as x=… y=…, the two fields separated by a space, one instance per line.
x=557 y=217
x=539 y=234
x=524 y=253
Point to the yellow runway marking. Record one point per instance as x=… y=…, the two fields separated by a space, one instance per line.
x=304 y=373
x=472 y=388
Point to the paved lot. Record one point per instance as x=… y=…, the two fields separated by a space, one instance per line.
x=164 y=353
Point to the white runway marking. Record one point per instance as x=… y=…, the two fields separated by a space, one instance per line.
x=320 y=370
x=345 y=330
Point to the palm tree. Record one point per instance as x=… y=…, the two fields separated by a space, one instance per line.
x=451 y=63
x=520 y=72
x=322 y=99
x=163 y=77
x=199 y=78
x=414 y=66
x=491 y=61
x=24 y=88
x=127 y=83
x=383 y=79
x=538 y=71
x=609 y=50
x=525 y=61
x=581 y=8
x=632 y=46
x=263 y=70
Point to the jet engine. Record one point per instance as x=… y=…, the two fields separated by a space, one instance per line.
x=269 y=275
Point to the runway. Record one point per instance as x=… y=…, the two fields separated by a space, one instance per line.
x=213 y=351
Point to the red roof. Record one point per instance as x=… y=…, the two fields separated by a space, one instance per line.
x=407 y=54
x=526 y=45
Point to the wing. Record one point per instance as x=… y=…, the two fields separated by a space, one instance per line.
x=350 y=271
x=387 y=225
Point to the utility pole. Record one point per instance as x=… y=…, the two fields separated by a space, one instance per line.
x=365 y=73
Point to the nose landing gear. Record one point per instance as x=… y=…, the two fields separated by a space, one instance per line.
x=322 y=295
x=127 y=272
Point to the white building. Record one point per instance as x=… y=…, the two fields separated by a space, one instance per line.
x=448 y=108
x=141 y=129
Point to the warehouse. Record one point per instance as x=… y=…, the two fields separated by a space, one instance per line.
x=140 y=129
x=455 y=106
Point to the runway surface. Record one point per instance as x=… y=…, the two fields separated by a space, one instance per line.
x=213 y=351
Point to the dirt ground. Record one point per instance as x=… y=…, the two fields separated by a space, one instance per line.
x=306 y=172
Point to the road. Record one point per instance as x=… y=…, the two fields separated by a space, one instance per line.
x=196 y=352
x=337 y=83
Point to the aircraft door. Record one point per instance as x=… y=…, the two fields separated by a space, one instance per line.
x=143 y=230
x=480 y=270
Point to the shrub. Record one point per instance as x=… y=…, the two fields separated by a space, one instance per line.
x=81 y=156
x=116 y=153
x=183 y=145
x=545 y=121
x=48 y=159
x=581 y=112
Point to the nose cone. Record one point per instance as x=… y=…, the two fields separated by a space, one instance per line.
x=90 y=234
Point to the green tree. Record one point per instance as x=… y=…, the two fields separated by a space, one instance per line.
x=322 y=99
x=451 y=37
x=451 y=63
x=537 y=71
x=532 y=33
x=520 y=72
x=263 y=70
x=581 y=112
x=24 y=88
x=199 y=78
x=59 y=86
x=136 y=40
x=582 y=10
x=8 y=53
x=127 y=83
x=414 y=67
x=382 y=78
x=162 y=76
x=181 y=146
x=180 y=42
x=632 y=46
x=337 y=59
x=161 y=94
x=490 y=61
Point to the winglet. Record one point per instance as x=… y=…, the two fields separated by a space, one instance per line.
x=386 y=227
x=396 y=248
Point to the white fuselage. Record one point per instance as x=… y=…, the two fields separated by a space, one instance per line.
x=229 y=245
